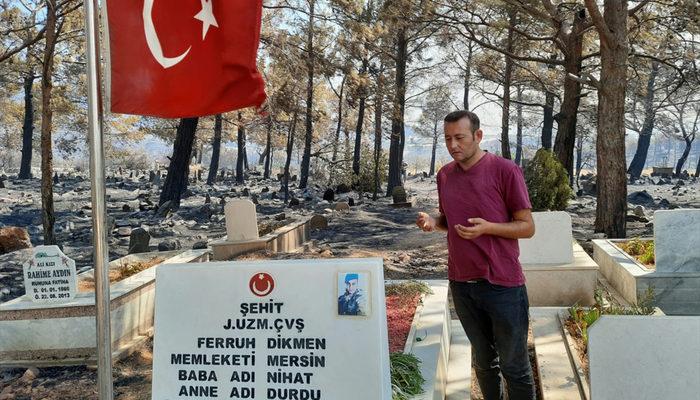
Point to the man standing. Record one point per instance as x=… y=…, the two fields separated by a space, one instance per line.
x=485 y=209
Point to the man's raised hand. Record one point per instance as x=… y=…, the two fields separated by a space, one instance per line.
x=425 y=222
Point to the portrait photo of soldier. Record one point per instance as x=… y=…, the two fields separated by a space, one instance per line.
x=352 y=290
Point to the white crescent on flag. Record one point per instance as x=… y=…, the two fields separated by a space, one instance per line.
x=154 y=42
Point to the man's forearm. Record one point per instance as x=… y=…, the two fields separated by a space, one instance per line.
x=512 y=230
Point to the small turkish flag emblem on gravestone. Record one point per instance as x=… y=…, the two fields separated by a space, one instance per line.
x=261 y=284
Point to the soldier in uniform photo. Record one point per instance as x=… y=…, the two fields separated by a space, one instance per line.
x=352 y=301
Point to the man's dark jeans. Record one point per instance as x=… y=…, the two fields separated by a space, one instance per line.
x=496 y=321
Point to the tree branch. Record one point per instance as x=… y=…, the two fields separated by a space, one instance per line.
x=604 y=33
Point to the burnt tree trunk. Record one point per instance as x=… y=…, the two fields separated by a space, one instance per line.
x=179 y=168
x=548 y=117
x=358 y=137
x=507 y=76
x=47 y=208
x=268 y=150
x=288 y=161
x=336 y=140
x=579 y=157
x=360 y=123
x=468 y=75
x=640 y=155
x=378 y=101
x=681 y=161
x=397 y=123
x=611 y=207
x=306 y=158
x=25 y=169
x=519 y=124
x=215 y=150
x=240 y=157
x=434 y=149
x=566 y=118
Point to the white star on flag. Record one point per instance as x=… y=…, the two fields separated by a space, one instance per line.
x=206 y=15
x=261 y=276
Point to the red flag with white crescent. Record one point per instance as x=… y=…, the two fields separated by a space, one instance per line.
x=184 y=58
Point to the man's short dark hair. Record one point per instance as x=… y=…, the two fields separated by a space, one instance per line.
x=455 y=116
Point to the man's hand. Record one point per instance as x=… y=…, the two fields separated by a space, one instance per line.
x=425 y=222
x=480 y=227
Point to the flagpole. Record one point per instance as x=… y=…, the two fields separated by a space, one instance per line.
x=97 y=180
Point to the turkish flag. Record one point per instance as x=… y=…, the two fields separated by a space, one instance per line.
x=184 y=58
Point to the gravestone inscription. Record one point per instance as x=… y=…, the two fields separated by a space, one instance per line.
x=294 y=329
x=49 y=276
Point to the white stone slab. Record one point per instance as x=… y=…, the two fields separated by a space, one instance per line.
x=459 y=372
x=676 y=238
x=552 y=242
x=241 y=220
x=645 y=357
x=49 y=276
x=557 y=375
x=291 y=299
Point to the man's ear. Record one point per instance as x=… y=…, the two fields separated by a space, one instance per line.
x=478 y=135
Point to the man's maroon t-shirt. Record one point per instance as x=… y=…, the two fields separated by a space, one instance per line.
x=492 y=189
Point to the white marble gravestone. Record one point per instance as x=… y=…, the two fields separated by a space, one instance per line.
x=552 y=242
x=676 y=238
x=645 y=357
x=272 y=330
x=49 y=276
x=241 y=220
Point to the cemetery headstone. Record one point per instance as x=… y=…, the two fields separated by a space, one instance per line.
x=271 y=332
x=342 y=206
x=676 y=236
x=139 y=240
x=241 y=220
x=644 y=357
x=49 y=276
x=329 y=195
x=552 y=242
x=318 y=222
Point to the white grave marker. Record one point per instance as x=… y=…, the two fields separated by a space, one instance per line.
x=645 y=357
x=676 y=238
x=295 y=329
x=49 y=276
x=552 y=242
x=241 y=220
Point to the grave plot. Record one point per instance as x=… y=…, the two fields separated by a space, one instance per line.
x=558 y=271
x=243 y=234
x=45 y=334
x=428 y=337
x=674 y=278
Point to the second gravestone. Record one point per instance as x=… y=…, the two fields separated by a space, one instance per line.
x=49 y=276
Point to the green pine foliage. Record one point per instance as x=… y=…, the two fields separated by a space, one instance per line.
x=547 y=182
x=406 y=379
x=365 y=181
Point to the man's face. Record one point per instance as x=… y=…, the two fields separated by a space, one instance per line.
x=351 y=286
x=460 y=141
